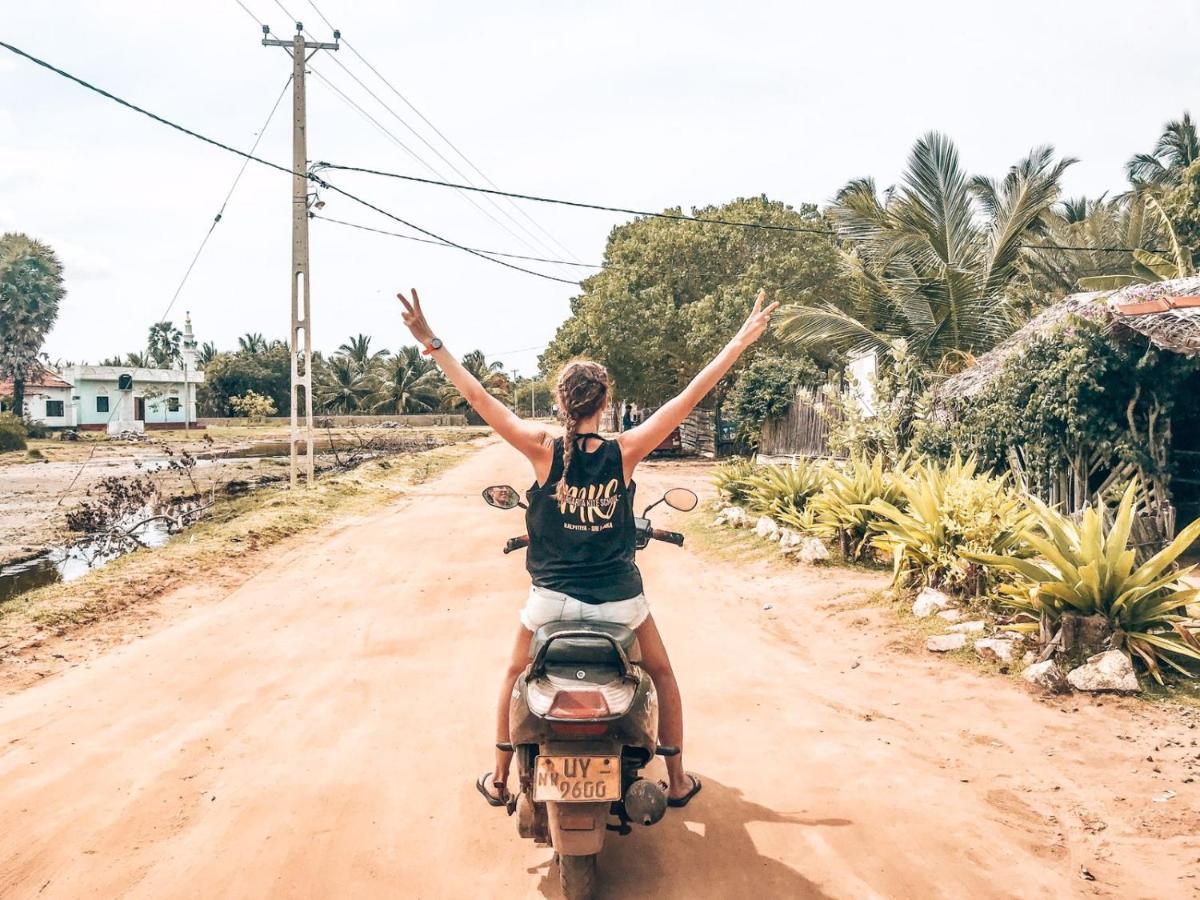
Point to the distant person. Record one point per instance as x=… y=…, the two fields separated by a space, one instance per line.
x=579 y=572
x=626 y=418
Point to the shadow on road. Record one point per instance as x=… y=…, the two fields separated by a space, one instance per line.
x=703 y=850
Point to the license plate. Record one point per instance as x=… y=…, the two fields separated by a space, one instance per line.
x=577 y=779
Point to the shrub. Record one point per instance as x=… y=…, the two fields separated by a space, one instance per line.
x=765 y=389
x=950 y=511
x=12 y=433
x=731 y=478
x=841 y=509
x=783 y=491
x=1089 y=571
x=253 y=405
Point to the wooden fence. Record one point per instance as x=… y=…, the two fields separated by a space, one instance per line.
x=802 y=431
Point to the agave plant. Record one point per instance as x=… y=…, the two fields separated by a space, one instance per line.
x=950 y=512
x=1084 y=569
x=841 y=509
x=779 y=491
x=730 y=479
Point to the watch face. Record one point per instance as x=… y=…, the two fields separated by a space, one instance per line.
x=436 y=343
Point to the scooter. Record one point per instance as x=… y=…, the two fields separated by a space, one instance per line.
x=583 y=722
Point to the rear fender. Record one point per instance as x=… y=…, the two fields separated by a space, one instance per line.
x=577 y=829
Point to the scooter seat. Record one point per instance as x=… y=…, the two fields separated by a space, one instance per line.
x=582 y=651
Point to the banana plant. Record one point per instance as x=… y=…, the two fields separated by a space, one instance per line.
x=1082 y=568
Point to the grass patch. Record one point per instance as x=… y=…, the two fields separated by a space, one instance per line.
x=226 y=542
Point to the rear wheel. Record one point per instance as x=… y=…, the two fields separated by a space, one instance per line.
x=577 y=875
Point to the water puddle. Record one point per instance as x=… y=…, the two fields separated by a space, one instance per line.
x=60 y=564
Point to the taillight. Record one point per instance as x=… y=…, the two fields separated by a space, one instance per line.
x=578 y=729
x=578 y=705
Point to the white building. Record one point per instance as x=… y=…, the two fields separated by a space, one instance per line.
x=121 y=398
x=47 y=399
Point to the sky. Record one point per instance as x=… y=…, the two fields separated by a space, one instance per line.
x=641 y=104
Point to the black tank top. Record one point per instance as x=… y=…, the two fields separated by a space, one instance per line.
x=584 y=548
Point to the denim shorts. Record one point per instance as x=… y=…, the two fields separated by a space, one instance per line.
x=545 y=606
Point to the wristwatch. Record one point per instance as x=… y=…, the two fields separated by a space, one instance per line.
x=434 y=344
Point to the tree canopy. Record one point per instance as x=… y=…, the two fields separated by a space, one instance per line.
x=671 y=293
x=31 y=289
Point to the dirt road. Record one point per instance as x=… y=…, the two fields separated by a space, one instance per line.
x=316 y=733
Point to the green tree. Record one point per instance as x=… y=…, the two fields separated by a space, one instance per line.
x=766 y=387
x=252 y=342
x=533 y=396
x=671 y=293
x=933 y=261
x=31 y=289
x=267 y=372
x=344 y=387
x=252 y=405
x=1182 y=207
x=1176 y=149
x=163 y=345
x=489 y=374
x=358 y=351
x=206 y=354
x=138 y=360
x=407 y=383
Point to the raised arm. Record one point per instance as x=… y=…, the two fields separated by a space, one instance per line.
x=529 y=438
x=637 y=443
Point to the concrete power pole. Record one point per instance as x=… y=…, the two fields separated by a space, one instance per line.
x=301 y=313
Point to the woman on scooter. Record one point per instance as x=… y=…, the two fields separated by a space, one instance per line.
x=580 y=520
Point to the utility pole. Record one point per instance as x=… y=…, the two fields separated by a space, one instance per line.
x=301 y=312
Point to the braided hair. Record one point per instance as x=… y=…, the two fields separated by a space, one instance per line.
x=582 y=390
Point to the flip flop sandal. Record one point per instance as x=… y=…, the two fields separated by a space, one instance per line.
x=498 y=799
x=680 y=802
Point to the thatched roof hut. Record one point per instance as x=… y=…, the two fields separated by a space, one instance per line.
x=1166 y=312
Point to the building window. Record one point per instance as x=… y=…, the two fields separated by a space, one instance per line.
x=54 y=408
x=101 y=404
x=173 y=404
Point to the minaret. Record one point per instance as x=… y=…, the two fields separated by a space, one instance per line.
x=188 y=346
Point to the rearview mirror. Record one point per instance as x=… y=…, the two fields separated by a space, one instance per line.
x=502 y=496
x=681 y=499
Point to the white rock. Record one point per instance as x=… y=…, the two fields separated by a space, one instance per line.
x=734 y=517
x=789 y=539
x=951 y=615
x=1046 y=675
x=944 y=642
x=930 y=601
x=812 y=550
x=1108 y=671
x=975 y=627
x=765 y=527
x=996 y=649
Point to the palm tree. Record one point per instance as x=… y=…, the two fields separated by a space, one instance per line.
x=343 y=388
x=489 y=374
x=1093 y=231
x=137 y=360
x=252 y=342
x=932 y=260
x=31 y=288
x=1177 y=148
x=358 y=349
x=163 y=345
x=208 y=352
x=407 y=383
x=113 y=361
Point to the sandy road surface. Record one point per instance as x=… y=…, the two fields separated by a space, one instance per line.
x=315 y=734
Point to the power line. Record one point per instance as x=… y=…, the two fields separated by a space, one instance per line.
x=440 y=134
x=272 y=165
x=410 y=237
x=578 y=204
x=422 y=139
x=225 y=202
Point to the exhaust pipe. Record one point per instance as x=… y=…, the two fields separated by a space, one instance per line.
x=645 y=802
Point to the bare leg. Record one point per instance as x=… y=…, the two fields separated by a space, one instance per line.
x=516 y=665
x=670 y=706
